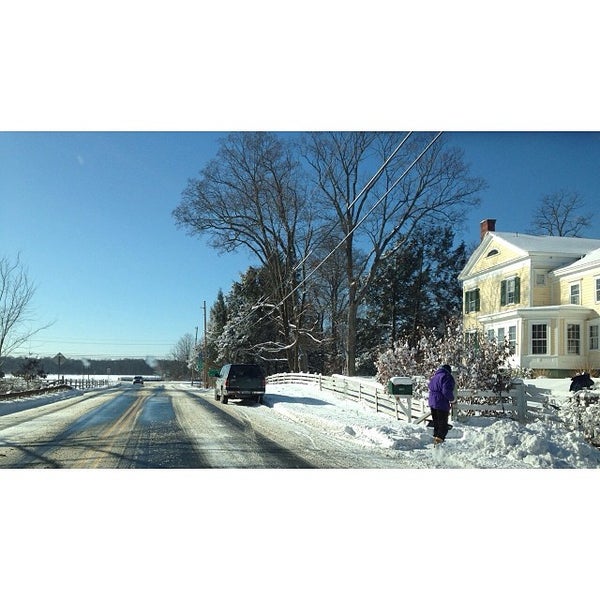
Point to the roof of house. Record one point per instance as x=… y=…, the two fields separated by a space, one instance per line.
x=569 y=247
x=587 y=261
x=548 y=243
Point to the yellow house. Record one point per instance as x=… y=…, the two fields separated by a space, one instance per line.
x=540 y=292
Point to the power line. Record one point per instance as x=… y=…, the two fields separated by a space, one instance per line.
x=107 y=343
x=106 y=348
x=361 y=221
x=358 y=224
x=364 y=190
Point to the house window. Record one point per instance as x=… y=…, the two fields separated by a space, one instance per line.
x=573 y=339
x=490 y=335
x=472 y=301
x=539 y=338
x=594 y=337
x=512 y=338
x=501 y=334
x=510 y=291
x=540 y=279
x=597 y=290
x=575 y=295
x=472 y=339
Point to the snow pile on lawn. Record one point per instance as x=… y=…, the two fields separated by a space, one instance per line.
x=12 y=405
x=475 y=442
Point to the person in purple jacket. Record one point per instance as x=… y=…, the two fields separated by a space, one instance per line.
x=441 y=396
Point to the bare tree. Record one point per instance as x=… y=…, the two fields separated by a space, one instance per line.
x=16 y=315
x=560 y=214
x=181 y=354
x=374 y=218
x=251 y=197
x=183 y=349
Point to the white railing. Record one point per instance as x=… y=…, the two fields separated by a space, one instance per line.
x=371 y=393
x=414 y=409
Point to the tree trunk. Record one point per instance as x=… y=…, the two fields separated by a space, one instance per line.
x=351 y=341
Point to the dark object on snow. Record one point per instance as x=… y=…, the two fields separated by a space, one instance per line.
x=243 y=381
x=430 y=424
x=580 y=382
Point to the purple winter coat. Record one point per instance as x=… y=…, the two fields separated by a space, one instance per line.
x=441 y=389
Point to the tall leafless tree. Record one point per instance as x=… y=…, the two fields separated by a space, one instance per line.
x=183 y=349
x=250 y=196
x=376 y=223
x=561 y=214
x=181 y=356
x=16 y=315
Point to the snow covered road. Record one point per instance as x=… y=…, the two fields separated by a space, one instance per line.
x=169 y=426
x=175 y=425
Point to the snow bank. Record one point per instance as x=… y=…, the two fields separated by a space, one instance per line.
x=26 y=402
x=476 y=442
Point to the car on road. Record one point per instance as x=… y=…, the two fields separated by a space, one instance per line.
x=138 y=379
x=242 y=381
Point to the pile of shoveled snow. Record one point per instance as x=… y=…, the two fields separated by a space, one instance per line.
x=474 y=442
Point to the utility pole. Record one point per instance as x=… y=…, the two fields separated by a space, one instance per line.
x=205 y=361
x=193 y=352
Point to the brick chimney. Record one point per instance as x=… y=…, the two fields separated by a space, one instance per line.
x=487 y=225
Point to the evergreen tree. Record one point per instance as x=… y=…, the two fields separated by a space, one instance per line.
x=30 y=369
x=216 y=323
x=415 y=288
x=250 y=333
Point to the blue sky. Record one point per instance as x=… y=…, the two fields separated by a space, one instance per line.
x=521 y=167
x=90 y=214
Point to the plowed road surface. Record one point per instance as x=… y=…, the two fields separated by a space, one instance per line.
x=162 y=425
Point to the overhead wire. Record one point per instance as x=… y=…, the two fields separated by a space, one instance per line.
x=362 y=220
x=364 y=190
x=358 y=224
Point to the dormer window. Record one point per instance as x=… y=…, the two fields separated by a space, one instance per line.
x=492 y=252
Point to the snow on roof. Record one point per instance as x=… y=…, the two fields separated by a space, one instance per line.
x=573 y=246
x=587 y=261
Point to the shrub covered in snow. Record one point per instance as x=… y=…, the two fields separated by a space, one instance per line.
x=581 y=412
x=478 y=362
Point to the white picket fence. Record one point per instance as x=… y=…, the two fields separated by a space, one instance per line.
x=414 y=409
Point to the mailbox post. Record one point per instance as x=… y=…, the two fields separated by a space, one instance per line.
x=402 y=388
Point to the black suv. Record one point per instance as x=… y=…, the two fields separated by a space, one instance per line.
x=240 y=381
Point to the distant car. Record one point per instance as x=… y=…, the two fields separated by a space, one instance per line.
x=138 y=379
x=240 y=381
